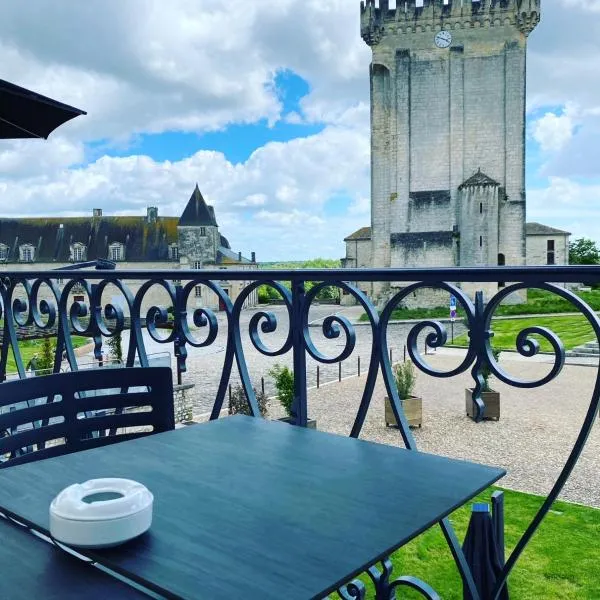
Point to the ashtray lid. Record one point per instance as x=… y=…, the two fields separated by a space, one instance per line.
x=101 y=499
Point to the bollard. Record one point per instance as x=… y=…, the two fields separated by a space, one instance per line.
x=229 y=393
x=359 y=366
x=340 y=371
x=404 y=355
x=391 y=357
x=262 y=385
x=318 y=377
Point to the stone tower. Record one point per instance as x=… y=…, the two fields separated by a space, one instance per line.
x=198 y=233
x=448 y=131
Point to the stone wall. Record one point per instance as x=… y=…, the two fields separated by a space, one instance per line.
x=183 y=402
x=195 y=247
x=537 y=249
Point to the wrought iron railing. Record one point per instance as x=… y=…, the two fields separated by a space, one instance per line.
x=114 y=300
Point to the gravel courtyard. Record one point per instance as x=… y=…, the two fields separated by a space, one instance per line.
x=531 y=441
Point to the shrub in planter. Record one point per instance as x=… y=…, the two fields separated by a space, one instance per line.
x=238 y=403
x=490 y=398
x=284 y=384
x=405 y=378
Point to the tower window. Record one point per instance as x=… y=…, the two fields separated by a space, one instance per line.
x=480 y=241
x=202 y=231
x=550 y=256
x=198 y=265
x=481 y=208
x=198 y=291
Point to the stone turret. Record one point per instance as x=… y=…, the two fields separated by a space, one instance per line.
x=198 y=232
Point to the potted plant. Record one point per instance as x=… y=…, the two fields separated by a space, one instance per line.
x=405 y=377
x=284 y=384
x=490 y=397
x=238 y=402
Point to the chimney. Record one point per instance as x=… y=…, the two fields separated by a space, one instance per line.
x=253 y=255
x=151 y=214
x=97 y=212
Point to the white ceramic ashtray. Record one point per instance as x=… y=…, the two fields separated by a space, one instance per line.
x=101 y=513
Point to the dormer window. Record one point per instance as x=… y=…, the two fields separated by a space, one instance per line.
x=174 y=252
x=26 y=253
x=116 y=252
x=78 y=252
x=3 y=252
x=203 y=231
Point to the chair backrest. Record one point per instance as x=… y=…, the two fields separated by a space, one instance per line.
x=48 y=416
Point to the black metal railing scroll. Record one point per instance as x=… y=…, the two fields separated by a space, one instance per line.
x=157 y=307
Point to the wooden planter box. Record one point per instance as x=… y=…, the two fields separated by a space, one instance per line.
x=413 y=409
x=491 y=400
x=311 y=423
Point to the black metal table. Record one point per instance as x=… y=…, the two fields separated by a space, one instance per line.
x=255 y=508
x=32 y=568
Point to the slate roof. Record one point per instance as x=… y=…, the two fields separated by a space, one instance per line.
x=143 y=241
x=539 y=229
x=225 y=256
x=479 y=179
x=364 y=233
x=197 y=212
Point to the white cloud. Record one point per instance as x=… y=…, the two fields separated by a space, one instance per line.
x=193 y=65
x=568 y=205
x=553 y=132
x=275 y=202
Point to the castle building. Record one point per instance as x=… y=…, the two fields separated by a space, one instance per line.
x=192 y=241
x=447 y=134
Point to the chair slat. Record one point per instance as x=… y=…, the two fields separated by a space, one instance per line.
x=79 y=394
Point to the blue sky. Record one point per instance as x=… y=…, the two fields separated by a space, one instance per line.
x=266 y=106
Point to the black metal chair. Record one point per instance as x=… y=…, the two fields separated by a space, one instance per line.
x=41 y=417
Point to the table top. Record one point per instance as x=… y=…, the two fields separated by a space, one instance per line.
x=34 y=568
x=247 y=505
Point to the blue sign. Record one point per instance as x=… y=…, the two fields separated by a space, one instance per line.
x=452 y=308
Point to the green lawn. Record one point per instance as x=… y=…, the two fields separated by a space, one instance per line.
x=31 y=347
x=572 y=330
x=561 y=561
x=538 y=302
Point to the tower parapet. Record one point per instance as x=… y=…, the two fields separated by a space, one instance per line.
x=411 y=16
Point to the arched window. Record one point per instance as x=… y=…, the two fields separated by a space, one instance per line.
x=78 y=252
x=26 y=253
x=116 y=252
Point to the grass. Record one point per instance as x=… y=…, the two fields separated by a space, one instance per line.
x=538 y=302
x=561 y=561
x=572 y=330
x=30 y=347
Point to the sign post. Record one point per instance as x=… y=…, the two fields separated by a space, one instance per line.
x=452 y=316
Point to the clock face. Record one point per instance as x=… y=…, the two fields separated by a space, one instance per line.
x=443 y=39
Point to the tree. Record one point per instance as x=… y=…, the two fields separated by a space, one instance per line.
x=584 y=252
x=116 y=346
x=43 y=363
